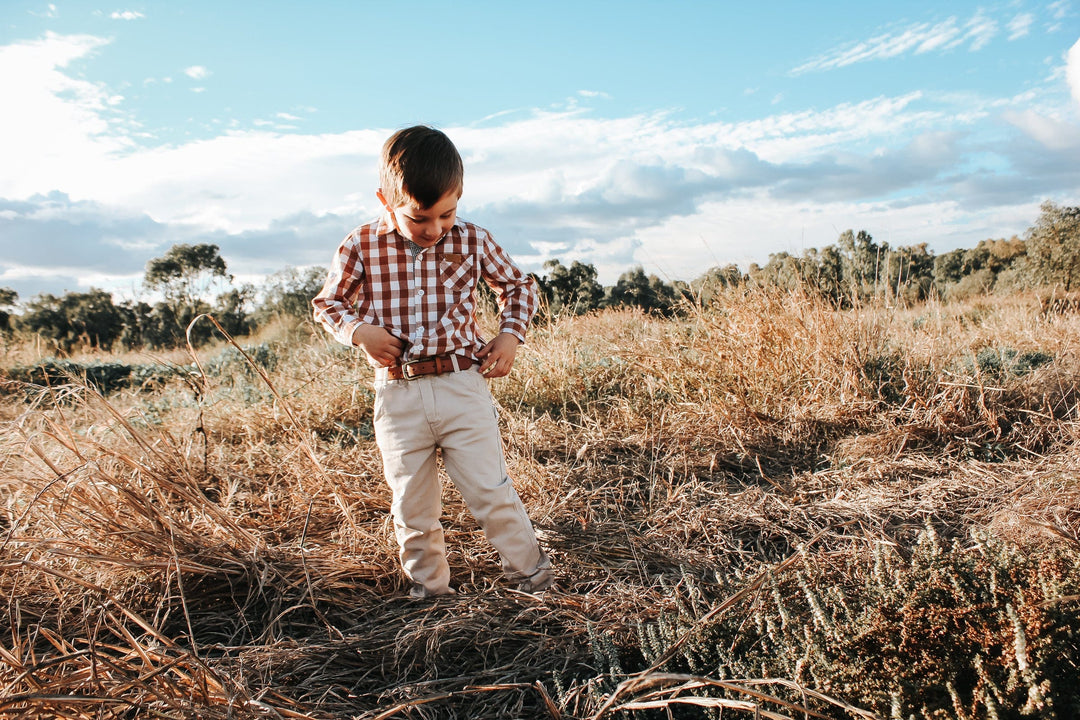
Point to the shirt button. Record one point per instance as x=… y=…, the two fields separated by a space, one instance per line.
x=419 y=292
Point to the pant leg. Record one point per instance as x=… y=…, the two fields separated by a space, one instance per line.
x=468 y=433
x=407 y=445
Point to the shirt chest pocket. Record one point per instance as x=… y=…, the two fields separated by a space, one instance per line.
x=456 y=272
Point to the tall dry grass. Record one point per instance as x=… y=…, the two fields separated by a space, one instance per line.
x=751 y=509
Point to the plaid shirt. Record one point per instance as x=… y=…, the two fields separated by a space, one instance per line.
x=428 y=300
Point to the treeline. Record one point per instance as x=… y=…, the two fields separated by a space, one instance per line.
x=183 y=278
x=854 y=269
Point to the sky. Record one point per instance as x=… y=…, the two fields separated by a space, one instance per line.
x=675 y=136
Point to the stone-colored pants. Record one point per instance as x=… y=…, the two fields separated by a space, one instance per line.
x=454 y=412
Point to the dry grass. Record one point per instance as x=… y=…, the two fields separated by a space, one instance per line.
x=221 y=547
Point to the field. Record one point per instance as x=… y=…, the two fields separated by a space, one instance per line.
x=764 y=508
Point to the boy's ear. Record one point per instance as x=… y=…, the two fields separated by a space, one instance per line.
x=382 y=199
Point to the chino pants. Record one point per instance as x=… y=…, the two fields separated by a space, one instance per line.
x=455 y=412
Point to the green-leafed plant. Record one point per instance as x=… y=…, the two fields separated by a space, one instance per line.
x=970 y=628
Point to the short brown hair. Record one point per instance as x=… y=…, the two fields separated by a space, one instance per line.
x=419 y=163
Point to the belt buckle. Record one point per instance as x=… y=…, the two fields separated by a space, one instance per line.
x=405 y=369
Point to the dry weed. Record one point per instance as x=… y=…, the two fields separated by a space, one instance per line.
x=219 y=546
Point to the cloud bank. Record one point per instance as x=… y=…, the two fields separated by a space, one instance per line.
x=85 y=204
x=1072 y=71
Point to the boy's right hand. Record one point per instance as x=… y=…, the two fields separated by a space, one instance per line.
x=382 y=348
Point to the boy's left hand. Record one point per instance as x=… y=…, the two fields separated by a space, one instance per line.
x=497 y=357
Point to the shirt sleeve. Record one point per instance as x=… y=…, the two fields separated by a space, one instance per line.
x=335 y=307
x=516 y=291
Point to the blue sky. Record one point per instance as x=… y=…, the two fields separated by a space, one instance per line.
x=671 y=135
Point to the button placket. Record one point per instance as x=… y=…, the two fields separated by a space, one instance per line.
x=417 y=300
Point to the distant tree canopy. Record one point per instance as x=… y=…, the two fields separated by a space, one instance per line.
x=635 y=289
x=185 y=274
x=289 y=292
x=857 y=267
x=194 y=279
x=573 y=289
x=1053 y=248
x=88 y=318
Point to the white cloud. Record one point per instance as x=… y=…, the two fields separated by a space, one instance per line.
x=980 y=30
x=1050 y=132
x=917 y=38
x=1020 y=25
x=945 y=35
x=50 y=12
x=197 y=72
x=127 y=15
x=1072 y=70
x=62 y=123
x=1058 y=11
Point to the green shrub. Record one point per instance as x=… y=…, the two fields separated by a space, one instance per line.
x=975 y=630
x=1000 y=363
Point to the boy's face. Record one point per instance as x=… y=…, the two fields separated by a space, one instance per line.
x=424 y=226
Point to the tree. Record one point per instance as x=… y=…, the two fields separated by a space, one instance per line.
x=824 y=270
x=861 y=258
x=635 y=289
x=573 y=289
x=45 y=316
x=289 y=293
x=93 y=318
x=784 y=271
x=186 y=273
x=948 y=270
x=231 y=310
x=89 y=317
x=708 y=286
x=1053 y=247
x=909 y=272
x=8 y=298
x=1005 y=253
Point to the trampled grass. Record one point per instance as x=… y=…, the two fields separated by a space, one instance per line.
x=766 y=506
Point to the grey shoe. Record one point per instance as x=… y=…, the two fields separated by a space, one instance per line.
x=540 y=581
x=419 y=592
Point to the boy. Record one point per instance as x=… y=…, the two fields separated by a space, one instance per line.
x=403 y=289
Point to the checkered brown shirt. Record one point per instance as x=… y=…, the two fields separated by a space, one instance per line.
x=427 y=300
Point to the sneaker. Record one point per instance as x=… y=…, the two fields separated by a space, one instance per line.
x=540 y=581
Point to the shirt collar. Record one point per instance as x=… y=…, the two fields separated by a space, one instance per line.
x=386 y=225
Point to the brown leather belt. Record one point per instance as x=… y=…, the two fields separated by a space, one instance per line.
x=435 y=365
